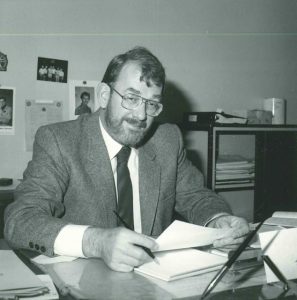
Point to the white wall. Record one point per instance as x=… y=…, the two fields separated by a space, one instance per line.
x=217 y=53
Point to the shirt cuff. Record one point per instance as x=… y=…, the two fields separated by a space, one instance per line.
x=69 y=240
x=215 y=217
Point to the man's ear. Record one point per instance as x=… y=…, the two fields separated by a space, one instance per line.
x=103 y=94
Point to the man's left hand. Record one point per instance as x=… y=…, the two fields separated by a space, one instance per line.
x=239 y=228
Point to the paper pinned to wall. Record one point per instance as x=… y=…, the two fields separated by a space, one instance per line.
x=39 y=113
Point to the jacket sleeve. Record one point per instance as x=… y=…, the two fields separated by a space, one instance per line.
x=194 y=201
x=32 y=220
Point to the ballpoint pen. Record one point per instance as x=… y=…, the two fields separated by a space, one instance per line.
x=147 y=250
x=230 y=262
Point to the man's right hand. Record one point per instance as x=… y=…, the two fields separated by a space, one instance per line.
x=117 y=247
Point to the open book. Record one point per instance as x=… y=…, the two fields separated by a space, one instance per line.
x=283 y=218
x=179 y=264
x=175 y=258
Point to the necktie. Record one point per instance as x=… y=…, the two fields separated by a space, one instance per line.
x=125 y=195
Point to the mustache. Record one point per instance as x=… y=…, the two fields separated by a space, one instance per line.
x=135 y=122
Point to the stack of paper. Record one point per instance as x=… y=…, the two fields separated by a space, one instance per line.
x=232 y=169
x=16 y=279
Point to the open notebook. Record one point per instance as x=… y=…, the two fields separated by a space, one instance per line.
x=176 y=257
x=179 y=264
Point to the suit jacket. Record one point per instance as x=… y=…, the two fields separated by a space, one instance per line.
x=70 y=180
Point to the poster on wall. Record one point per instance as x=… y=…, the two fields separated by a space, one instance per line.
x=39 y=113
x=7 y=110
x=82 y=97
x=50 y=69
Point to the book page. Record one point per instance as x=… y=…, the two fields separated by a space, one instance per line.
x=181 y=263
x=280 y=246
x=185 y=235
x=283 y=218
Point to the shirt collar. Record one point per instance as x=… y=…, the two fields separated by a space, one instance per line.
x=113 y=147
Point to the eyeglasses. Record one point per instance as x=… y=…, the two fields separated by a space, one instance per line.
x=132 y=101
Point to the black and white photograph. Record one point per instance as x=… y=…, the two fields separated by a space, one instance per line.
x=82 y=97
x=7 y=96
x=49 y=69
x=154 y=153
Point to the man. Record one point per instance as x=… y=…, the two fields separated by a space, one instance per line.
x=66 y=202
x=5 y=112
x=83 y=108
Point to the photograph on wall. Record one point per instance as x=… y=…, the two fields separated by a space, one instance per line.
x=7 y=109
x=49 y=69
x=82 y=97
x=3 y=62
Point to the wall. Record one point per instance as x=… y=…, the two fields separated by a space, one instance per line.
x=217 y=53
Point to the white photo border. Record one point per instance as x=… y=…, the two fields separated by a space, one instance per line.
x=76 y=87
x=4 y=91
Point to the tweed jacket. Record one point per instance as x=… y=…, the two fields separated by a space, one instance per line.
x=69 y=181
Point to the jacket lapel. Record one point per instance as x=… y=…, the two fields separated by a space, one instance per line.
x=100 y=171
x=149 y=187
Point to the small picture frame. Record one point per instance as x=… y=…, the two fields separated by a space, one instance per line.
x=50 y=69
x=82 y=97
x=7 y=110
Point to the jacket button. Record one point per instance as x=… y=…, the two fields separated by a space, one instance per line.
x=36 y=247
x=31 y=245
x=42 y=249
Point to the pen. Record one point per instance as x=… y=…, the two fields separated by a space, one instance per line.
x=230 y=262
x=276 y=271
x=147 y=250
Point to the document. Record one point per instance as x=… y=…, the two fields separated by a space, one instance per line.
x=280 y=246
x=181 y=235
x=16 y=278
x=283 y=218
x=179 y=264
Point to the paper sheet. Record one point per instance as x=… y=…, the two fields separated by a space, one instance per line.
x=280 y=246
x=45 y=260
x=38 y=113
x=51 y=295
x=179 y=264
x=185 y=235
x=14 y=274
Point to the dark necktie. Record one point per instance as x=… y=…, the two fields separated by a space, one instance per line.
x=125 y=195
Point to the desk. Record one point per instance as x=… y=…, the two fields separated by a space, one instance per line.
x=92 y=279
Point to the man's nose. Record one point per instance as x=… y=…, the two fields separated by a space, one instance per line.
x=140 y=112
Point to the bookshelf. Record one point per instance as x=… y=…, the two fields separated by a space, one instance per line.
x=273 y=148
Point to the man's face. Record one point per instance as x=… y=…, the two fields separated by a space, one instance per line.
x=2 y=102
x=85 y=99
x=129 y=127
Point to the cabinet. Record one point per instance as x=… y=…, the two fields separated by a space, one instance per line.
x=272 y=147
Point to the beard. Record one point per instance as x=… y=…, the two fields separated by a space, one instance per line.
x=131 y=136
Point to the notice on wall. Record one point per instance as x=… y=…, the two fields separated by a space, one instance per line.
x=39 y=113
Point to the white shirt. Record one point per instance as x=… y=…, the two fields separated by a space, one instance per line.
x=69 y=240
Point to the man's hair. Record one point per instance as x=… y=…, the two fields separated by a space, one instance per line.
x=85 y=94
x=151 y=67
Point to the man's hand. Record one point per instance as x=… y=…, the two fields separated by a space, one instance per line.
x=239 y=228
x=117 y=247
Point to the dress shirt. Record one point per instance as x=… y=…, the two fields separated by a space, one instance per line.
x=69 y=240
